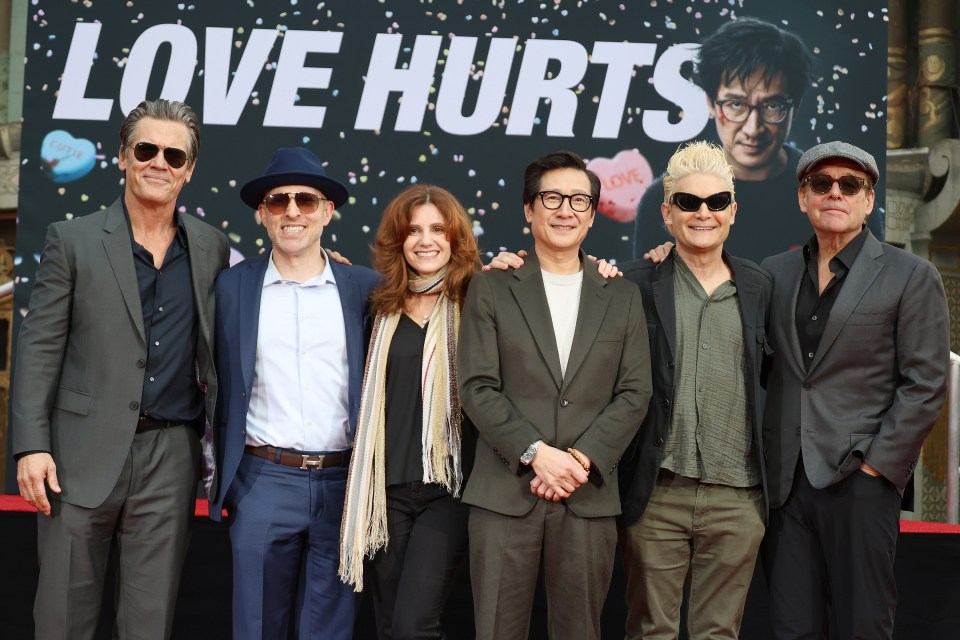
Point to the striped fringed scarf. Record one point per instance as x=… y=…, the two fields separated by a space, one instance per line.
x=364 y=527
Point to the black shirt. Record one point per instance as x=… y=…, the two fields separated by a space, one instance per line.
x=170 y=388
x=404 y=403
x=813 y=308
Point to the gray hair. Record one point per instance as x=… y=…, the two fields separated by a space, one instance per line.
x=161 y=109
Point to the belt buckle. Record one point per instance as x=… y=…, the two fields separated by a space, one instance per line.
x=307 y=463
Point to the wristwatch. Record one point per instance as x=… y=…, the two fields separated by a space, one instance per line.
x=531 y=451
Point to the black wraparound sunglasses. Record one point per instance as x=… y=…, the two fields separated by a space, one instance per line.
x=690 y=202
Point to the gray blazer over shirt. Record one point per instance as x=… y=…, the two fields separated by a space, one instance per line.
x=81 y=348
x=875 y=385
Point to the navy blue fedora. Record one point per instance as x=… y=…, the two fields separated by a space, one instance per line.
x=290 y=166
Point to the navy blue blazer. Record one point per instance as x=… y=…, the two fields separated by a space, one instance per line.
x=237 y=323
x=641 y=463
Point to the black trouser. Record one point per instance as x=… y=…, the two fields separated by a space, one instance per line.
x=828 y=555
x=413 y=576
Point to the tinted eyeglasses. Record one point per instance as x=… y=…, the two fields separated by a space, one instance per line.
x=849 y=185
x=579 y=202
x=277 y=203
x=690 y=202
x=146 y=151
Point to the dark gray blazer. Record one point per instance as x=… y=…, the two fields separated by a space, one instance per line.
x=79 y=373
x=639 y=469
x=877 y=381
x=512 y=390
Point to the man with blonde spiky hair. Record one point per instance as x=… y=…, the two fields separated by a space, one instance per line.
x=692 y=482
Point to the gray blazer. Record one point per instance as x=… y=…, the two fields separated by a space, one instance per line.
x=81 y=349
x=877 y=381
x=512 y=390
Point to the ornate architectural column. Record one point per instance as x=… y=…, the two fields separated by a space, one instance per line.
x=937 y=72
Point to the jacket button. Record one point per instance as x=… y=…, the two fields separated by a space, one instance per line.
x=807 y=386
x=134 y=405
x=659 y=442
x=670 y=365
x=141 y=363
x=797 y=431
x=666 y=402
x=564 y=402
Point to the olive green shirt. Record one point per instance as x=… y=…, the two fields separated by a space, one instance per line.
x=711 y=428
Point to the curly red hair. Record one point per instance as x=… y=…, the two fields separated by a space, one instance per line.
x=387 y=249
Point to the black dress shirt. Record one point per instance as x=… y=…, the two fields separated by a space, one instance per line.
x=813 y=308
x=170 y=388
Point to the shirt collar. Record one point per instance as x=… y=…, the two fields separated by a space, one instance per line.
x=846 y=256
x=273 y=277
x=177 y=218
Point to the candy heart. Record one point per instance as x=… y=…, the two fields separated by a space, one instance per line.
x=66 y=158
x=623 y=180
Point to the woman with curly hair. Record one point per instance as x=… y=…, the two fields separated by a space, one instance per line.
x=403 y=513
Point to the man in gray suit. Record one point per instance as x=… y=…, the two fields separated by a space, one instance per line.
x=114 y=379
x=554 y=371
x=861 y=334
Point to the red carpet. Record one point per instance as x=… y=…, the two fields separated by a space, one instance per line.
x=16 y=503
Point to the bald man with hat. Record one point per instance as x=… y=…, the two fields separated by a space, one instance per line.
x=290 y=347
x=860 y=331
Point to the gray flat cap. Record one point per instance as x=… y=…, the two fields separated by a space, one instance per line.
x=821 y=152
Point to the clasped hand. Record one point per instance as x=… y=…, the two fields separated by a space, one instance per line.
x=558 y=474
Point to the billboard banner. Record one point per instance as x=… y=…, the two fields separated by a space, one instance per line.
x=460 y=94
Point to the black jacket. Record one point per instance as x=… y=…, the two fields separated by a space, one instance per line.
x=641 y=462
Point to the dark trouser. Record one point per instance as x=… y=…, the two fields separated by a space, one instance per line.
x=505 y=553
x=412 y=577
x=285 y=534
x=145 y=522
x=829 y=556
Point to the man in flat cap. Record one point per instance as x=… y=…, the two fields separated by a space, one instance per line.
x=290 y=349
x=861 y=338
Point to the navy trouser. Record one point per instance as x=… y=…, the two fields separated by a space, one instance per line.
x=285 y=533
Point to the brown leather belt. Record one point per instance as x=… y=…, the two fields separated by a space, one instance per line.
x=291 y=458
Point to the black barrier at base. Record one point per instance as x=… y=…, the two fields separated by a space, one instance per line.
x=926 y=580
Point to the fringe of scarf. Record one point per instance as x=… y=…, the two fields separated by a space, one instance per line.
x=363 y=530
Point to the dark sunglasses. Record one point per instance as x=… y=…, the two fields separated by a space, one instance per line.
x=277 y=203
x=849 y=185
x=146 y=151
x=690 y=202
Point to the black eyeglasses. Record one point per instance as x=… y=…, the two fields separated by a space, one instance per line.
x=771 y=111
x=277 y=203
x=690 y=202
x=146 y=151
x=579 y=202
x=849 y=185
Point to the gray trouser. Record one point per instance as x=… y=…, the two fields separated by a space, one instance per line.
x=144 y=522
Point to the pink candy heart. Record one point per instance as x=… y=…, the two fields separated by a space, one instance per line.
x=623 y=180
